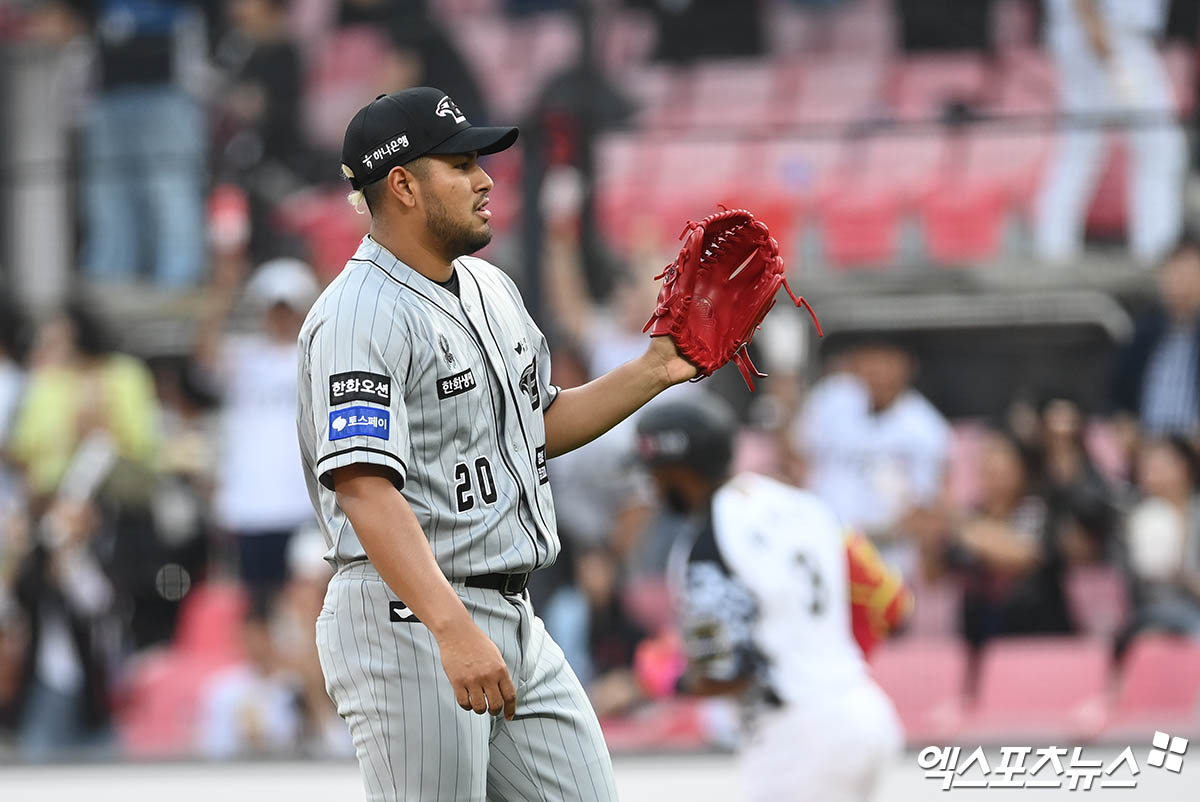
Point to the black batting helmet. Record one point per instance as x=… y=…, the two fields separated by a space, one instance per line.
x=696 y=431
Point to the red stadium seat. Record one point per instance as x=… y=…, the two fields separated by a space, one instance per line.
x=860 y=227
x=863 y=28
x=1107 y=215
x=1008 y=161
x=926 y=680
x=210 y=621
x=1159 y=689
x=1028 y=84
x=662 y=95
x=923 y=85
x=669 y=724
x=330 y=227
x=163 y=700
x=936 y=612
x=749 y=96
x=346 y=68
x=1041 y=688
x=907 y=166
x=1181 y=63
x=163 y=691
x=963 y=223
x=629 y=40
x=839 y=89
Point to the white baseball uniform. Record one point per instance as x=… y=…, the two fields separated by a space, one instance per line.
x=447 y=390
x=762 y=591
x=1134 y=82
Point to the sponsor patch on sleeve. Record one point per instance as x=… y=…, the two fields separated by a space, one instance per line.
x=456 y=384
x=359 y=422
x=543 y=474
x=359 y=385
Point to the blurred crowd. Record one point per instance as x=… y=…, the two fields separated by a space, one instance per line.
x=128 y=485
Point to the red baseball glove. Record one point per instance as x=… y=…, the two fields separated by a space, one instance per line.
x=718 y=290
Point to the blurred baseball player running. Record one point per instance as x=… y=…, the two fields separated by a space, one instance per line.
x=763 y=587
x=426 y=418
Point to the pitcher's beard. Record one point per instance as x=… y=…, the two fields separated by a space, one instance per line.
x=457 y=239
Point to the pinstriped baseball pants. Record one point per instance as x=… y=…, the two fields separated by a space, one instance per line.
x=414 y=742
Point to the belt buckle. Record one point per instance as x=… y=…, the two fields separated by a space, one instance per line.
x=514 y=584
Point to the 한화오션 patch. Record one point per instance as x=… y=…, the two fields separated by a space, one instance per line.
x=359 y=422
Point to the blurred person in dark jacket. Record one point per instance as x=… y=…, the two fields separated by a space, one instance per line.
x=1156 y=384
x=69 y=605
x=261 y=141
x=1078 y=498
x=84 y=401
x=1007 y=550
x=689 y=30
x=423 y=54
x=599 y=637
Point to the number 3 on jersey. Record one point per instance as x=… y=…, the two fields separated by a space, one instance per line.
x=467 y=482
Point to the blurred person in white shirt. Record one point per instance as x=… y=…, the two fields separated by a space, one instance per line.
x=251 y=708
x=260 y=493
x=1163 y=539
x=875 y=449
x=1109 y=67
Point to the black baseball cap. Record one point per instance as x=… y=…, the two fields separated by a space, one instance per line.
x=696 y=431
x=394 y=129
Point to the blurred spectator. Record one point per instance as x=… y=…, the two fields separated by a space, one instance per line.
x=144 y=140
x=251 y=709
x=1008 y=550
x=1078 y=499
x=1163 y=539
x=294 y=629
x=68 y=602
x=261 y=497
x=79 y=386
x=600 y=638
x=1109 y=66
x=1156 y=383
x=875 y=449
x=12 y=376
x=689 y=30
x=262 y=145
x=423 y=54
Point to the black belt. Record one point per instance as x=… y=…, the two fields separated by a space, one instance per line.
x=508 y=584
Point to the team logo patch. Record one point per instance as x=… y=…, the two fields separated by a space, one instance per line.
x=447 y=108
x=543 y=474
x=398 y=613
x=359 y=422
x=528 y=385
x=444 y=344
x=358 y=385
x=457 y=384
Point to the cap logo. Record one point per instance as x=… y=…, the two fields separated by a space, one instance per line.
x=388 y=148
x=670 y=443
x=446 y=108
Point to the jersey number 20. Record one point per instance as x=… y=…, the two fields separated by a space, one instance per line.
x=464 y=489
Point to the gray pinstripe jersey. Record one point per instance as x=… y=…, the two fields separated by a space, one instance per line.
x=446 y=391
